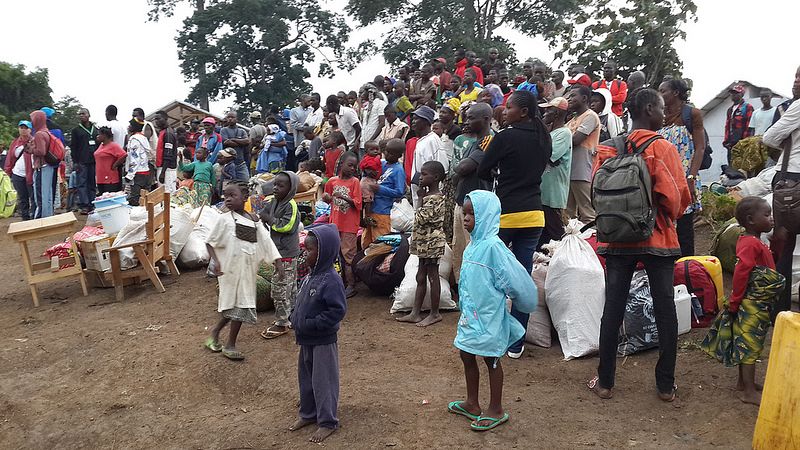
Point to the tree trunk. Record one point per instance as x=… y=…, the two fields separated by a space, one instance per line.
x=200 y=5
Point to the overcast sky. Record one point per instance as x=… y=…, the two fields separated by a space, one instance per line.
x=104 y=51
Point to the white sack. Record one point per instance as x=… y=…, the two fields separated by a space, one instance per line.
x=133 y=231
x=539 y=324
x=402 y=216
x=180 y=227
x=404 y=294
x=575 y=293
x=194 y=254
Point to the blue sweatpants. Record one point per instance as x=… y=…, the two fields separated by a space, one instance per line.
x=318 y=376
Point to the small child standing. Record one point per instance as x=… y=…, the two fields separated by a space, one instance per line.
x=334 y=148
x=370 y=167
x=280 y=216
x=428 y=243
x=490 y=273
x=203 y=176
x=237 y=246
x=736 y=338
x=320 y=307
x=343 y=193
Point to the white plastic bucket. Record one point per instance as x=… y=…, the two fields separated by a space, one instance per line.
x=113 y=217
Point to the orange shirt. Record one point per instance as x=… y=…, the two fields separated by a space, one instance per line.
x=346 y=217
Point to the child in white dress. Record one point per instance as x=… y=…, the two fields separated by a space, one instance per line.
x=238 y=244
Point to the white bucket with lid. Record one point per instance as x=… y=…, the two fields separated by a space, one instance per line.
x=113 y=217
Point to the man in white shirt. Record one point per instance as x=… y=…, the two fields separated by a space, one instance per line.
x=429 y=147
x=119 y=129
x=761 y=119
x=316 y=115
x=371 y=115
x=297 y=117
x=348 y=122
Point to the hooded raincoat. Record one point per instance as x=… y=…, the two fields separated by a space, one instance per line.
x=489 y=274
x=609 y=122
x=321 y=303
x=284 y=220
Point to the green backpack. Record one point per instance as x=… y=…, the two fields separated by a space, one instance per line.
x=8 y=196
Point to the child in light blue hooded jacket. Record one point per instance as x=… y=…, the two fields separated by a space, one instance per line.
x=489 y=274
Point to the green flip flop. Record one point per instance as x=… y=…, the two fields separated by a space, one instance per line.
x=456 y=408
x=494 y=423
x=213 y=345
x=234 y=355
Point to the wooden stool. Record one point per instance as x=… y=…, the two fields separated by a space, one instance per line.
x=60 y=225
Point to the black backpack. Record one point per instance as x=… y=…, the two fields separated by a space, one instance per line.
x=686 y=115
x=622 y=194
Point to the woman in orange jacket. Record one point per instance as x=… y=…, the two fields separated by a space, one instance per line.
x=658 y=253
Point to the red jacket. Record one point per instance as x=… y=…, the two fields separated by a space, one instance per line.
x=461 y=68
x=619 y=92
x=11 y=159
x=671 y=196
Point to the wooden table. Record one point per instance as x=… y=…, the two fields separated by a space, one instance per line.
x=40 y=272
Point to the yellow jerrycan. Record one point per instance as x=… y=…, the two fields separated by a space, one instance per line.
x=778 y=424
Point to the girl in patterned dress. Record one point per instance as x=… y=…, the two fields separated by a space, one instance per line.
x=736 y=338
x=428 y=242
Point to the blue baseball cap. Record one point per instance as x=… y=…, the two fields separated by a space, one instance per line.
x=25 y=123
x=48 y=111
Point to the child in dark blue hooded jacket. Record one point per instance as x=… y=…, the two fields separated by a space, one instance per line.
x=320 y=308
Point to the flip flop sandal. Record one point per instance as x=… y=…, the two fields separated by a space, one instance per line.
x=212 y=345
x=271 y=333
x=594 y=386
x=669 y=397
x=234 y=355
x=494 y=423
x=456 y=408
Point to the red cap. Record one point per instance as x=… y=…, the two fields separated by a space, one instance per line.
x=737 y=88
x=581 y=78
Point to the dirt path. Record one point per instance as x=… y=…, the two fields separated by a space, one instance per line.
x=93 y=373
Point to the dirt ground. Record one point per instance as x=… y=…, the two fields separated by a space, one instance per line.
x=89 y=372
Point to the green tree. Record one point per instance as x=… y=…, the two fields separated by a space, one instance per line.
x=66 y=116
x=257 y=51
x=432 y=28
x=8 y=132
x=639 y=36
x=22 y=92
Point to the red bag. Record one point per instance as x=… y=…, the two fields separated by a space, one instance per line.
x=698 y=281
x=55 y=151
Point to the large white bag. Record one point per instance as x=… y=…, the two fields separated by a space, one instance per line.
x=180 y=227
x=194 y=254
x=402 y=217
x=404 y=294
x=539 y=324
x=133 y=231
x=575 y=292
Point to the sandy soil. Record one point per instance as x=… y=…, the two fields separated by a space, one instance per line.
x=90 y=372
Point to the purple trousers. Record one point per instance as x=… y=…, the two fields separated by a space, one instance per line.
x=318 y=376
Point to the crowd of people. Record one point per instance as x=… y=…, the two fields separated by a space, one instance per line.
x=493 y=164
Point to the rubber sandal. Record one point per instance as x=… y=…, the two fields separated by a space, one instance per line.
x=212 y=345
x=234 y=355
x=669 y=397
x=594 y=386
x=270 y=333
x=456 y=408
x=494 y=423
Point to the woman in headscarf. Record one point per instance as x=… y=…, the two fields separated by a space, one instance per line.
x=19 y=166
x=492 y=95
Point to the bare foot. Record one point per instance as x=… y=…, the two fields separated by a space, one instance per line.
x=300 y=423
x=321 y=434
x=410 y=318
x=430 y=320
x=753 y=398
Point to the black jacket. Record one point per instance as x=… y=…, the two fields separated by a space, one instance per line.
x=81 y=144
x=516 y=159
